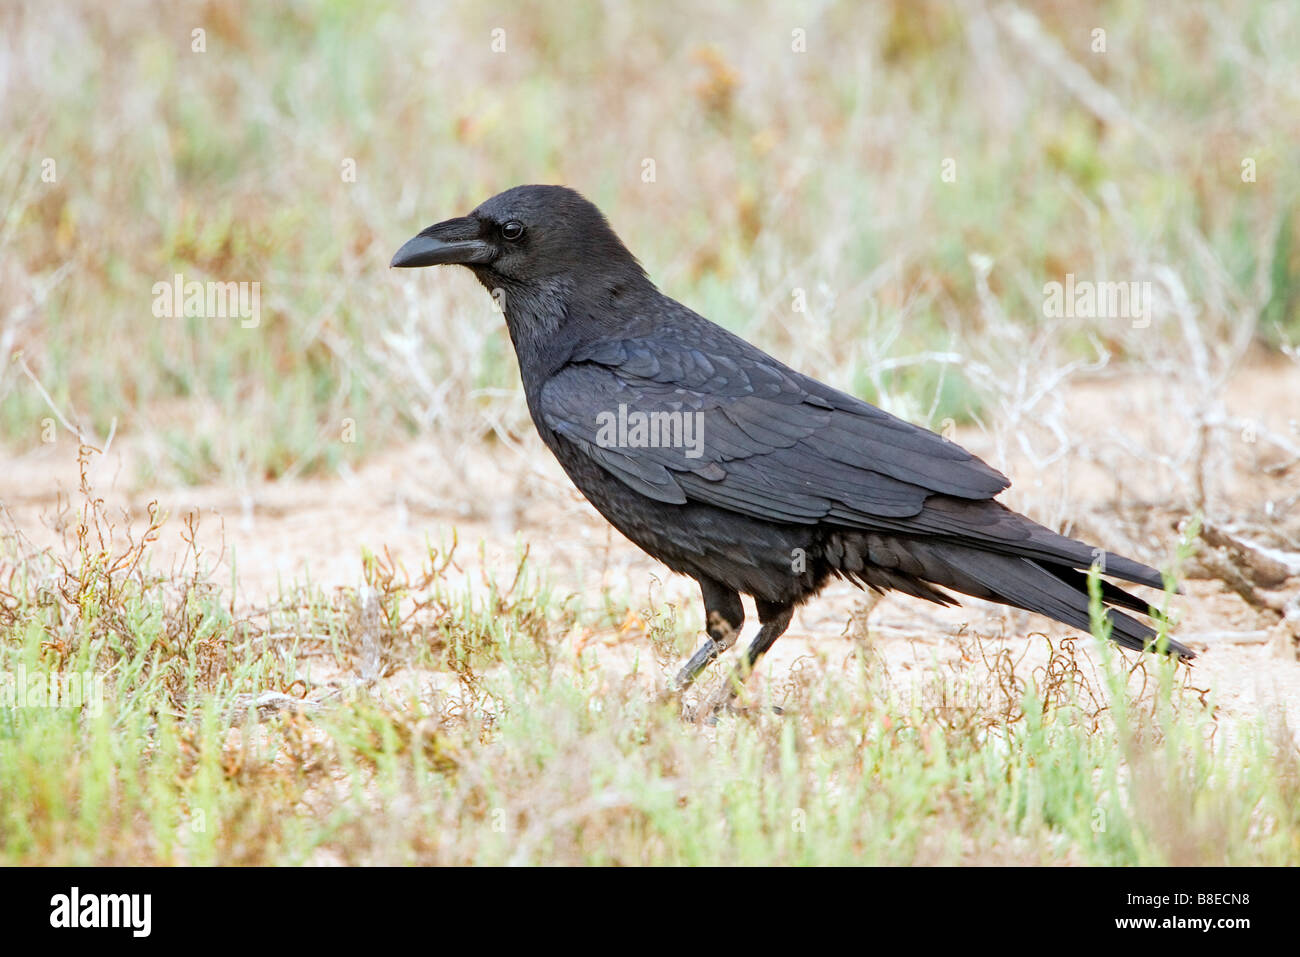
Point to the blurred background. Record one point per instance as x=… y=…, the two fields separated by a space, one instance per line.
x=743 y=152
x=881 y=195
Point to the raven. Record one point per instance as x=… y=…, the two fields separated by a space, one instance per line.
x=728 y=466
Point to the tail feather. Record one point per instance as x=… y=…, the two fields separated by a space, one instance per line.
x=1111 y=593
x=993 y=528
x=1025 y=583
x=1050 y=588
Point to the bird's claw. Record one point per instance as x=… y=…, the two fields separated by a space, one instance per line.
x=710 y=710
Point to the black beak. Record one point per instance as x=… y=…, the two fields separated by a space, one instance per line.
x=457 y=241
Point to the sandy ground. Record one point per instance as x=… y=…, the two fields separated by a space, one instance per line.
x=1120 y=484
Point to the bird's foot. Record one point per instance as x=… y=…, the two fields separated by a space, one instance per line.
x=723 y=701
x=708 y=710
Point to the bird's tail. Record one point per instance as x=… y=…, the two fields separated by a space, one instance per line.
x=1052 y=588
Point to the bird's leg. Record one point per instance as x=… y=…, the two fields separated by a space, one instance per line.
x=724 y=616
x=721 y=637
x=775 y=619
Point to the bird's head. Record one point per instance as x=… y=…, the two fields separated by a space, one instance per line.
x=524 y=235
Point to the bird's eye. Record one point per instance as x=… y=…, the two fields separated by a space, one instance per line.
x=512 y=230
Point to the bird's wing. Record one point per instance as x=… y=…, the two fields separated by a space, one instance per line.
x=755 y=437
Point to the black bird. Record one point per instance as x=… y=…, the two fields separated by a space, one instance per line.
x=727 y=465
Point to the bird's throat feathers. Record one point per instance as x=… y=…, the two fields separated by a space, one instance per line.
x=538 y=310
x=534 y=310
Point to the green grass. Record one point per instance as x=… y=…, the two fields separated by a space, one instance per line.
x=487 y=739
